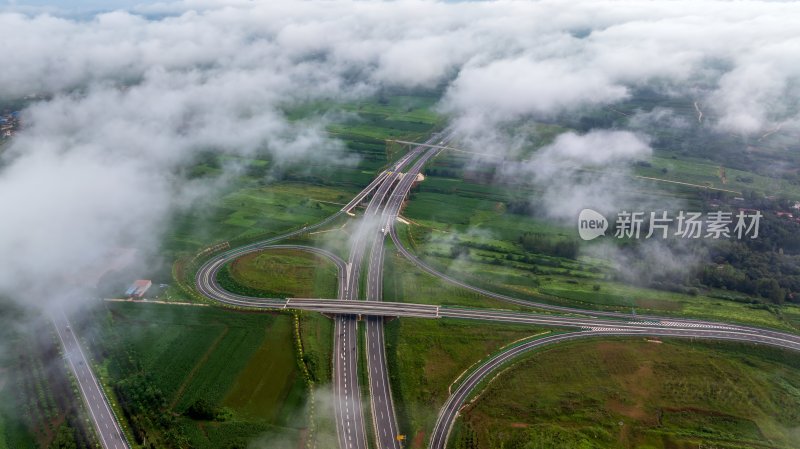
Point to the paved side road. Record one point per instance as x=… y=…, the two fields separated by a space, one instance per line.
x=108 y=429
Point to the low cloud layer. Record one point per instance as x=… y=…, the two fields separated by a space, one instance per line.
x=129 y=98
x=580 y=171
x=499 y=59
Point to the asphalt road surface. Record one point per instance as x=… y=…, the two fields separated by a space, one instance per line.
x=348 y=386
x=590 y=326
x=105 y=423
x=380 y=217
x=347 y=393
x=384 y=419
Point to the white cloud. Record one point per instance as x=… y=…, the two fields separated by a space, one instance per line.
x=511 y=88
x=583 y=171
x=133 y=99
x=597 y=148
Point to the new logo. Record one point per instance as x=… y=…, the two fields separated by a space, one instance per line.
x=591 y=224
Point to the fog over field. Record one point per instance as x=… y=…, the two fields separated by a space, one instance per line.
x=127 y=98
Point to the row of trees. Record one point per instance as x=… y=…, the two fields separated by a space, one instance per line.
x=765 y=268
x=549 y=245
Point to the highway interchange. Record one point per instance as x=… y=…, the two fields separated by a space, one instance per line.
x=387 y=193
x=374 y=231
x=346 y=387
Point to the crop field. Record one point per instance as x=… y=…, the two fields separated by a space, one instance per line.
x=379 y=118
x=268 y=378
x=703 y=172
x=682 y=154
x=14 y=434
x=240 y=363
x=281 y=273
x=426 y=356
x=364 y=126
x=639 y=394
x=476 y=238
x=258 y=210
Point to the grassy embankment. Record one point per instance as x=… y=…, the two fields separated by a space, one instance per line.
x=639 y=394
x=426 y=356
x=281 y=273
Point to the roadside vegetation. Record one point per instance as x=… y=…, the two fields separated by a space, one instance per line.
x=40 y=406
x=425 y=357
x=639 y=394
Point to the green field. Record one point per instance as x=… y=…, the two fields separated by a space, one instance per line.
x=316 y=332
x=450 y=214
x=639 y=394
x=262 y=202
x=404 y=282
x=14 y=433
x=281 y=273
x=706 y=173
x=250 y=209
x=426 y=356
x=260 y=388
x=461 y=224
x=241 y=364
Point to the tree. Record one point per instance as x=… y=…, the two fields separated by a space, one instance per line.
x=770 y=289
x=64 y=439
x=201 y=409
